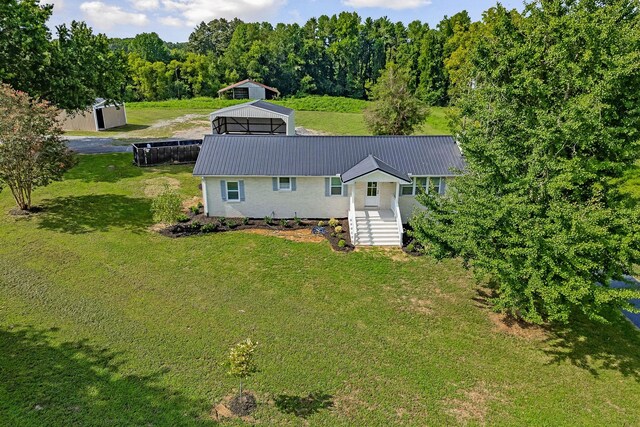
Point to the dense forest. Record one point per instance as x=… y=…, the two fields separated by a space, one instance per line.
x=339 y=55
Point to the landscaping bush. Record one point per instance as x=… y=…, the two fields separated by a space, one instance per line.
x=342 y=243
x=334 y=222
x=268 y=220
x=209 y=228
x=232 y=224
x=284 y=223
x=320 y=223
x=166 y=207
x=222 y=221
x=338 y=229
x=245 y=220
x=195 y=209
x=411 y=247
x=183 y=218
x=297 y=220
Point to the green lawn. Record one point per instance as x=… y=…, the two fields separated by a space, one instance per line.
x=338 y=116
x=105 y=323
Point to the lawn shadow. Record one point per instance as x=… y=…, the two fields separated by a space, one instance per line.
x=91 y=213
x=304 y=406
x=596 y=346
x=75 y=383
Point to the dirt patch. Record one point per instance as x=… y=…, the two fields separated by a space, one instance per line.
x=195 y=132
x=309 y=132
x=182 y=119
x=234 y=406
x=190 y=203
x=415 y=305
x=472 y=405
x=302 y=235
x=508 y=325
x=155 y=186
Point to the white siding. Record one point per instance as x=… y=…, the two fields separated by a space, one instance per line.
x=308 y=201
x=407 y=205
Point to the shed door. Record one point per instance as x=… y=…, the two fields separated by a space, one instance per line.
x=100 y=118
x=373 y=195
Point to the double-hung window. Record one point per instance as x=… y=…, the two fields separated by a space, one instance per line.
x=284 y=184
x=233 y=191
x=336 y=186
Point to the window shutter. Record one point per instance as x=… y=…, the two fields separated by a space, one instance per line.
x=241 y=188
x=345 y=190
x=327 y=187
x=274 y=181
x=293 y=184
x=223 y=190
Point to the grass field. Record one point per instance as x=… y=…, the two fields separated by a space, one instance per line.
x=334 y=115
x=103 y=323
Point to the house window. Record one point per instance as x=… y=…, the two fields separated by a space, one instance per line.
x=336 y=186
x=233 y=191
x=422 y=184
x=284 y=184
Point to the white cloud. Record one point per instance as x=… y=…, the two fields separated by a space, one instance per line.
x=388 y=4
x=104 y=16
x=195 y=11
x=145 y=4
x=171 y=21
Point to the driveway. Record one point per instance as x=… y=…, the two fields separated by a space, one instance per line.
x=634 y=317
x=92 y=145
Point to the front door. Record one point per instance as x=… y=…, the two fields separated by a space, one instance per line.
x=373 y=195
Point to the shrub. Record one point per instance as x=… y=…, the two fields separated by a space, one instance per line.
x=338 y=229
x=232 y=224
x=334 y=234
x=200 y=205
x=245 y=220
x=284 y=223
x=342 y=243
x=195 y=209
x=183 y=218
x=222 y=221
x=268 y=220
x=166 y=207
x=411 y=247
x=334 y=222
x=297 y=220
x=209 y=228
x=320 y=223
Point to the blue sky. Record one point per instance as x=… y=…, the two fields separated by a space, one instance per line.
x=174 y=19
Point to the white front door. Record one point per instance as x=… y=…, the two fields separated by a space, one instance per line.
x=373 y=195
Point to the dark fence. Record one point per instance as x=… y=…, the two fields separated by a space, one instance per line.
x=175 y=152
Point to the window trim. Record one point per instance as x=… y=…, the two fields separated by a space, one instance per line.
x=229 y=199
x=290 y=178
x=332 y=186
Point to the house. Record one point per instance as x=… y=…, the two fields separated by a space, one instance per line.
x=100 y=116
x=254 y=118
x=371 y=180
x=249 y=89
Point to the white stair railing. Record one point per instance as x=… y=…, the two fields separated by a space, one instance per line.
x=396 y=213
x=353 y=232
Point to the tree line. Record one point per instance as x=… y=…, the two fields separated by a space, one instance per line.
x=339 y=55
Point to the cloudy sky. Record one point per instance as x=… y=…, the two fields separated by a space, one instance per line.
x=174 y=19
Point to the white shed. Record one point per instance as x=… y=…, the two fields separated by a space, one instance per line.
x=254 y=118
x=100 y=116
x=249 y=89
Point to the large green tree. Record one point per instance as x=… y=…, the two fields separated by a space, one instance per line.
x=551 y=120
x=394 y=110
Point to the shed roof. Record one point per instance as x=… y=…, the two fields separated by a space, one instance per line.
x=224 y=89
x=327 y=155
x=263 y=105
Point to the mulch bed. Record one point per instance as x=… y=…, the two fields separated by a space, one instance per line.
x=198 y=224
x=24 y=212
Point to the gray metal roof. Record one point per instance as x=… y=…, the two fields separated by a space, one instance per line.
x=371 y=164
x=267 y=106
x=226 y=155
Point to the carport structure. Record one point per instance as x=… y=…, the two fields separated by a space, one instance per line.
x=254 y=118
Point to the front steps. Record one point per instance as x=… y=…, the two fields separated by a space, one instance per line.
x=376 y=228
